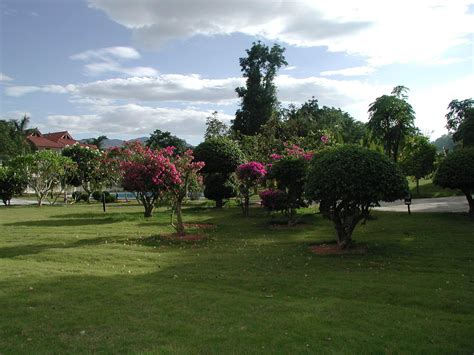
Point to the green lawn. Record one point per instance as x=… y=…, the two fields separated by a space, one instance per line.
x=430 y=190
x=76 y=280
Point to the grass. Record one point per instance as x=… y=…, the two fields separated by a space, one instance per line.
x=430 y=190
x=75 y=279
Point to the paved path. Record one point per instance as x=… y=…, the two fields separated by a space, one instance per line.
x=440 y=204
x=20 y=202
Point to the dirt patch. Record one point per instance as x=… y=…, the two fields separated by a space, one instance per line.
x=186 y=237
x=334 y=249
x=200 y=225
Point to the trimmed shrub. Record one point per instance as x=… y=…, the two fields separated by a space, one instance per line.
x=456 y=171
x=349 y=180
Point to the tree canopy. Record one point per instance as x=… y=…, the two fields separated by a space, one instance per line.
x=391 y=121
x=349 y=180
x=159 y=139
x=258 y=97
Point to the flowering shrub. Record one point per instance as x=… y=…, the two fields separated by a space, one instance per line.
x=250 y=175
x=297 y=152
x=274 y=200
x=148 y=173
x=188 y=170
x=252 y=171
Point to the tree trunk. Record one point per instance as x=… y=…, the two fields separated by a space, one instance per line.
x=179 y=220
x=418 y=186
x=246 y=205
x=470 y=200
x=219 y=203
x=344 y=236
x=148 y=210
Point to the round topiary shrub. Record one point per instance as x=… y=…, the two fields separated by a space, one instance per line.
x=348 y=181
x=456 y=171
x=219 y=187
x=221 y=156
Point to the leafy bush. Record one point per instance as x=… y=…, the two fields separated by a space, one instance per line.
x=97 y=195
x=250 y=175
x=220 y=154
x=219 y=187
x=78 y=196
x=11 y=183
x=274 y=200
x=456 y=171
x=221 y=157
x=290 y=175
x=348 y=181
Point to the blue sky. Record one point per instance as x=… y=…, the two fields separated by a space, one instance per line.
x=125 y=68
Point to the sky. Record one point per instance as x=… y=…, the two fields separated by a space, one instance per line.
x=124 y=68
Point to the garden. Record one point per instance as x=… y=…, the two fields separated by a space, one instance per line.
x=263 y=238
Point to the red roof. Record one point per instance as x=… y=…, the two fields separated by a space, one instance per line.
x=41 y=142
x=55 y=140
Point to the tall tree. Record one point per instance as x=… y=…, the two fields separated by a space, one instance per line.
x=460 y=121
x=418 y=158
x=13 y=138
x=215 y=127
x=391 y=121
x=258 y=97
x=159 y=140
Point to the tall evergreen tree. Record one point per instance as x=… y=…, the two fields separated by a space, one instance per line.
x=259 y=99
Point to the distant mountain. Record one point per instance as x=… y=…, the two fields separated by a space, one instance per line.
x=445 y=141
x=109 y=143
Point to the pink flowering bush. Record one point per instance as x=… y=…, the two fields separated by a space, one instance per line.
x=297 y=152
x=249 y=175
x=188 y=170
x=149 y=173
x=274 y=200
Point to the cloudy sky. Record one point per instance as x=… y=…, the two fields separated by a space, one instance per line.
x=124 y=68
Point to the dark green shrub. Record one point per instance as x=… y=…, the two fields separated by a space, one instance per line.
x=78 y=196
x=11 y=183
x=221 y=156
x=97 y=195
x=456 y=171
x=349 y=180
x=219 y=187
x=290 y=176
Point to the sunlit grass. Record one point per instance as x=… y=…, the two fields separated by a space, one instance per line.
x=75 y=279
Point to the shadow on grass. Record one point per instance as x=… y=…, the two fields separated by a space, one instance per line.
x=64 y=222
x=11 y=252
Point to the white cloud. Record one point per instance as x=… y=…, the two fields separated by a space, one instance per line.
x=167 y=87
x=353 y=71
x=107 y=54
x=106 y=60
x=4 y=77
x=188 y=123
x=15 y=115
x=383 y=32
x=113 y=67
x=17 y=91
x=431 y=103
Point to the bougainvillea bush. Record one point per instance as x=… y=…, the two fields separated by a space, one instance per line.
x=148 y=173
x=274 y=200
x=189 y=178
x=249 y=176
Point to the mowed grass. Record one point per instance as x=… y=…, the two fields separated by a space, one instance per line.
x=430 y=190
x=76 y=280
